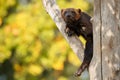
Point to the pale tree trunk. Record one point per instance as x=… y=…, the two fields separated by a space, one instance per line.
x=105 y=64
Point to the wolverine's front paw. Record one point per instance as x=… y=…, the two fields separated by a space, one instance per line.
x=78 y=73
x=69 y=32
x=83 y=66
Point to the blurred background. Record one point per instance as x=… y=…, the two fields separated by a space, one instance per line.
x=31 y=47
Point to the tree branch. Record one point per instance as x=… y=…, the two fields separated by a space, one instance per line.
x=55 y=13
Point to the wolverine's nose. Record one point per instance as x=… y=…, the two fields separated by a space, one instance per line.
x=68 y=15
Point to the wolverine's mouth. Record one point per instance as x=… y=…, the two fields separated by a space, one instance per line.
x=70 y=20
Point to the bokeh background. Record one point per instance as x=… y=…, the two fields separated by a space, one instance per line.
x=31 y=47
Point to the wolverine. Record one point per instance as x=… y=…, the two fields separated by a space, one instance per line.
x=78 y=23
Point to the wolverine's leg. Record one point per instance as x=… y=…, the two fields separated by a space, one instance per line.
x=88 y=53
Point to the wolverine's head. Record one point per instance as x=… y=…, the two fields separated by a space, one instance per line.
x=70 y=14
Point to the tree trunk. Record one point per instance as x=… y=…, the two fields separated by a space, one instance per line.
x=105 y=64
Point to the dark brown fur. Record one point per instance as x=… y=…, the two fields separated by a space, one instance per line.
x=78 y=23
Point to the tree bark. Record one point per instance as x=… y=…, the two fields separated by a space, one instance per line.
x=55 y=13
x=105 y=64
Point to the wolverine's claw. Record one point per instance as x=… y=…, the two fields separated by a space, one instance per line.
x=70 y=33
x=78 y=73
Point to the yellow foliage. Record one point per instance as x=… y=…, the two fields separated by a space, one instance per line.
x=7 y=30
x=36 y=50
x=58 y=65
x=10 y=2
x=57 y=54
x=4 y=53
x=82 y=4
x=17 y=67
x=35 y=69
x=73 y=59
x=82 y=40
x=57 y=48
x=4 y=4
x=0 y=21
x=22 y=19
x=45 y=62
x=62 y=78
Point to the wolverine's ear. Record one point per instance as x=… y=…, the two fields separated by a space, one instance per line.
x=79 y=10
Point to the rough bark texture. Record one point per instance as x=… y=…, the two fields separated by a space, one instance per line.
x=95 y=66
x=106 y=61
x=55 y=13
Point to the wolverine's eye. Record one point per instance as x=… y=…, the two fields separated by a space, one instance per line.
x=65 y=12
x=73 y=12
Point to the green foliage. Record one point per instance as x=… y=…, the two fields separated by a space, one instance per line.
x=31 y=43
